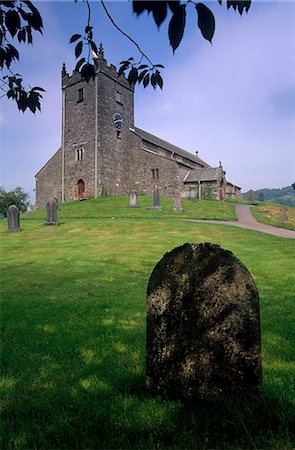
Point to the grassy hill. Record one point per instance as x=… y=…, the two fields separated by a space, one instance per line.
x=283 y=196
x=73 y=310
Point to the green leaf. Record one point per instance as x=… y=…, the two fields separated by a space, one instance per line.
x=21 y=35
x=79 y=64
x=37 y=88
x=78 y=49
x=206 y=21
x=176 y=26
x=74 y=38
x=123 y=68
x=154 y=80
x=29 y=32
x=159 y=65
x=159 y=79
x=13 y=51
x=143 y=66
x=146 y=80
x=173 y=5
x=88 y=72
x=12 y=21
x=94 y=47
x=138 y=7
x=141 y=75
x=160 y=12
x=132 y=76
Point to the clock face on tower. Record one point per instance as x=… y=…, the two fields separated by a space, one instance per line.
x=118 y=120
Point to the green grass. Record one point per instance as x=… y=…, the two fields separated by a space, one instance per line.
x=275 y=215
x=118 y=207
x=73 y=307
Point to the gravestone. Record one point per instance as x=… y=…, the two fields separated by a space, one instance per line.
x=176 y=205
x=12 y=215
x=203 y=325
x=156 y=203
x=51 y=212
x=133 y=200
x=283 y=215
x=192 y=194
x=261 y=197
x=251 y=195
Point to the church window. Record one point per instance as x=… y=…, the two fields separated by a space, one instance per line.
x=79 y=154
x=119 y=98
x=80 y=97
x=155 y=174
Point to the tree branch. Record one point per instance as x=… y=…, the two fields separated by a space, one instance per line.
x=125 y=34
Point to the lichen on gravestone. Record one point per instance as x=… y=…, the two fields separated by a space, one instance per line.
x=203 y=325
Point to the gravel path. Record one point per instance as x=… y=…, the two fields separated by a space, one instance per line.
x=246 y=220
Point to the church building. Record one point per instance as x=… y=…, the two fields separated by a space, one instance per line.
x=103 y=153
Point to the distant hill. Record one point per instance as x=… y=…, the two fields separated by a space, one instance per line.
x=284 y=196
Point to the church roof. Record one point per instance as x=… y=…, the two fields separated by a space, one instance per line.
x=206 y=174
x=166 y=145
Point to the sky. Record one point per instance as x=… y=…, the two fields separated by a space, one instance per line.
x=233 y=101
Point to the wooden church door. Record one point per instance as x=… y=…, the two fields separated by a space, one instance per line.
x=81 y=188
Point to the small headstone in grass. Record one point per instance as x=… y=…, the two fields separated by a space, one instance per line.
x=251 y=195
x=133 y=200
x=203 y=325
x=261 y=197
x=51 y=212
x=12 y=215
x=156 y=203
x=192 y=194
x=283 y=215
x=176 y=205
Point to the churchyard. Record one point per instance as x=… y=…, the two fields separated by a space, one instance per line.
x=73 y=323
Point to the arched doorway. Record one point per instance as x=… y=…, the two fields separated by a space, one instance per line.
x=80 y=188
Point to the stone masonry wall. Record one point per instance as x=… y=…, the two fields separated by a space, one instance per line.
x=48 y=181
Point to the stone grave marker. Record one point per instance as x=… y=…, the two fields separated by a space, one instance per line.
x=133 y=200
x=203 y=325
x=283 y=215
x=51 y=212
x=12 y=215
x=261 y=197
x=177 y=205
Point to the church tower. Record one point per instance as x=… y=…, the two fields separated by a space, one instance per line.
x=96 y=117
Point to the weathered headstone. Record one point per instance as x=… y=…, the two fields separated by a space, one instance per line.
x=203 y=325
x=51 y=212
x=156 y=203
x=261 y=197
x=251 y=195
x=177 y=206
x=283 y=215
x=12 y=215
x=133 y=200
x=192 y=194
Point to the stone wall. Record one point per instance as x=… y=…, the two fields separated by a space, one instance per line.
x=48 y=181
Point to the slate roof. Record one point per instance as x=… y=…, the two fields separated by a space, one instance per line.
x=166 y=145
x=206 y=174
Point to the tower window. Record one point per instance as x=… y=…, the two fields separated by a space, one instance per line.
x=155 y=174
x=80 y=154
x=119 y=97
x=80 y=96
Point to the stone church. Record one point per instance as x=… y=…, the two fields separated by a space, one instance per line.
x=103 y=153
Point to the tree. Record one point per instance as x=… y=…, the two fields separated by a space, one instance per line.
x=293 y=185
x=19 y=19
x=17 y=197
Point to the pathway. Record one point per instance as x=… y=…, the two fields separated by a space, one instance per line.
x=246 y=220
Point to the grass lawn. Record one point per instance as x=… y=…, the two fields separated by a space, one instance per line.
x=276 y=215
x=118 y=207
x=73 y=308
